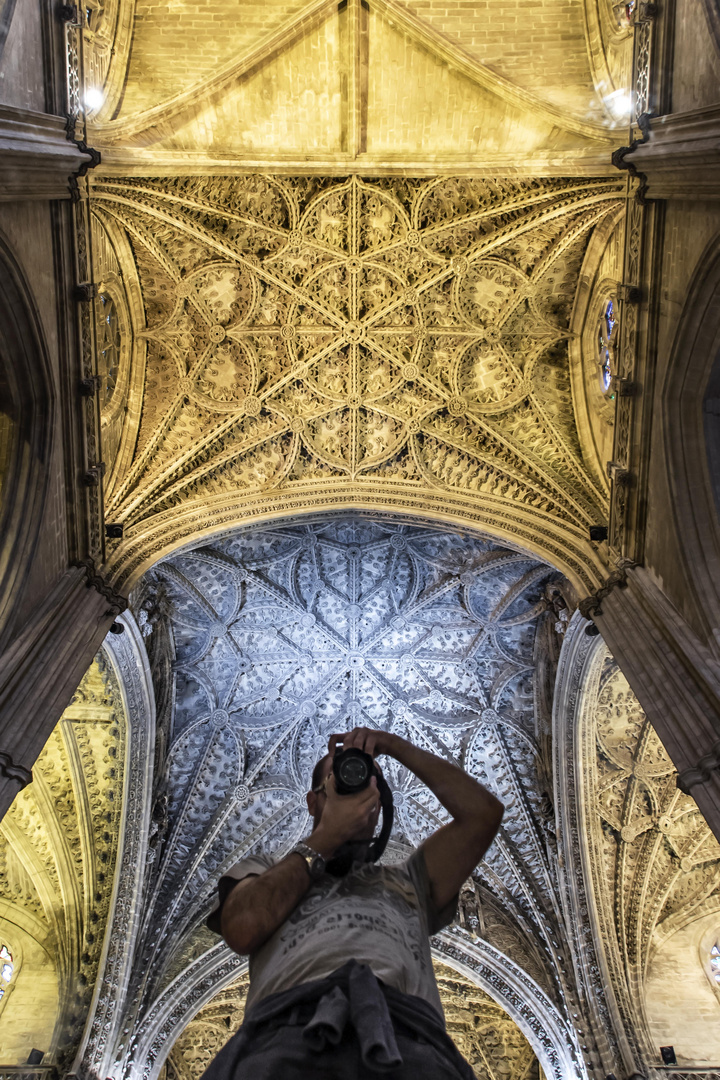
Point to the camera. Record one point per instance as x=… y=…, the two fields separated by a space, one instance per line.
x=352 y=769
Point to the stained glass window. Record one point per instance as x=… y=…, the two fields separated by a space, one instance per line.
x=605 y=329
x=108 y=346
x=6 y=969
x=624 y=13
x=715 y=962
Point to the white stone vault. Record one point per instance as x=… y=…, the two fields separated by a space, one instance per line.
x=261 y=643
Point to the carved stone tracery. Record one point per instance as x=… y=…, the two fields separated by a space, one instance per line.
x=312 y=335
x=276 y=636
x=58 y=844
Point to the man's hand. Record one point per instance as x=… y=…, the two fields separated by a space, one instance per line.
x=373 y=742
x=345 y=817
x=453 y=852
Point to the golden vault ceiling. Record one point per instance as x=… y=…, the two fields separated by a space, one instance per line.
x=58 y=846
x=392 y=343
x=657 y=864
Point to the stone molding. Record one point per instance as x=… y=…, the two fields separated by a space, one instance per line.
x=16 y=773
x=129 y=660
x=547 y=1031
x=578 y=671
x=591 y=605
x=664 y=660
x=680 y=155
x=44 y=665
x=117 y=603
x=176 y=1007
x=701 y=772
x=36 y=156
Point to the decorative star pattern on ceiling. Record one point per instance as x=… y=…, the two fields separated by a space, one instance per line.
x=283 y=635
x=389 y=336
x=656 y=862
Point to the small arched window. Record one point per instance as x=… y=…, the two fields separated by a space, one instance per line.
x=108 y=346
x=605 y=343
x=7 y=970
x=715 y=962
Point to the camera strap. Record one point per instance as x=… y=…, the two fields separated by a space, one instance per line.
x=366 y=851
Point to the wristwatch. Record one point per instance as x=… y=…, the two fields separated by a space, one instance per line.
x=313 y=860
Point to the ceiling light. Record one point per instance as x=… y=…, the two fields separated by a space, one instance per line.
x=620 y=105
x=93 y=99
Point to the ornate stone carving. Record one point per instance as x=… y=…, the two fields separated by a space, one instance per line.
x=429 y=633
x=592 y=605
x=208 y=1031
x=58 y=844
x=648 y=859
x=657 y=849
x=349 y=354
x=130 y=666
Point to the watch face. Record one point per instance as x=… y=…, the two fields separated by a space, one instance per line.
x=317 y=866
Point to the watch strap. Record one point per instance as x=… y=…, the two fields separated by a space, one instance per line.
x=313 y=860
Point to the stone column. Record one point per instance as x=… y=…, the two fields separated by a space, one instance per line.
x=681 y=155
x=36 y=157
x=675 y=677
x=42 y=669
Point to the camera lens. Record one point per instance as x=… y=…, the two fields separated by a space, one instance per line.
x=353 y=769
x=353 y=772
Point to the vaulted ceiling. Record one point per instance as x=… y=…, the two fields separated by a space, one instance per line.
x=397 y=343
x=535 y=89
x=58 y=845
x=349 y=238
x=283 y=635
x=262 y=642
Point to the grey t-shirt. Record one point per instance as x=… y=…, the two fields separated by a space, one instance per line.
x=381 y=916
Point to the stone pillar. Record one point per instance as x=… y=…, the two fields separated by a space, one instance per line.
x=674 y=675
x=43 y=667
x=36 y=157
x=680 y=158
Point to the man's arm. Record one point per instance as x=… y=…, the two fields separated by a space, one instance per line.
x=453 y=852
x=258 y=905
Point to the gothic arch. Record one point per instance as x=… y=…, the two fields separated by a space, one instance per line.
x=578 y=673
x=545 y=1029
x=129 y=661
x=553 y=1041
x=600 y=274
x=174 y=965
x=115 y=271
x=28 y=427
x=639 y=861
x=571 y=553
x=691 y=438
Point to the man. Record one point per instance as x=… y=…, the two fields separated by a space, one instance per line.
x=341 y=979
